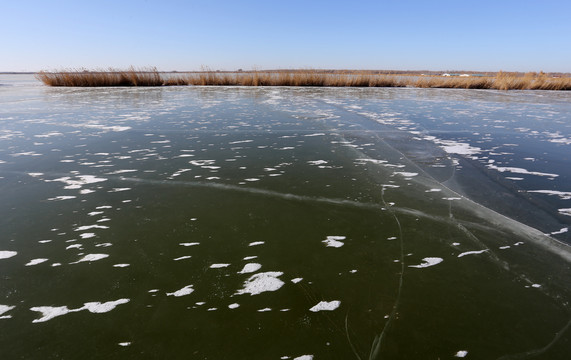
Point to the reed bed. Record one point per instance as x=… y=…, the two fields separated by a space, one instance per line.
x=151 y=77
x=298 y=78
x=100 y=78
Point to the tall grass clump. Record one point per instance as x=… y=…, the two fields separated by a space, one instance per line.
x=110 y=77
x=454 y=83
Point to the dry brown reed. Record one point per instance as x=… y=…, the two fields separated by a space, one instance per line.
x=151 y=77
x=111 y=77
x=297 y=78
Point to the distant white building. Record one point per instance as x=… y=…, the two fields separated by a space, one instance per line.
x=446 y=75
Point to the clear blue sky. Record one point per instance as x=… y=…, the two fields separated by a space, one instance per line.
x=222 y=34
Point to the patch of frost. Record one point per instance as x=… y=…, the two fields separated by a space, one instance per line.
x=326 y=306
x=250 y=268
x=91 y=257
x=36 y=262
x=427 y=262
x=472 y=252
x=4 y=254
x=262 y=282
x=334 y=241
x=182 y=292
x=218 y=266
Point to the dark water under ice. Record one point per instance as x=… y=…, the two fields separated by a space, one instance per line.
x=283 y=223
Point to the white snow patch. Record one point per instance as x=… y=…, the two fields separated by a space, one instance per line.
x=189 y=244
x=4 y=309
x=122 y=171
x=250 y=268
x=234 y=306
x=296 y=280
x=334 y=241
x=428 y=261
x=187 y=290
x=317 y=162
x=374 y=161
x=88 y=227
x=77 y=184
x=50 y=312
x=519 y=171
x=562 y=231
x=36 y=262
x=121 y=265
x=564 y=195
x=262 y=282
x=182 y=258
x=5 y=254
x=472 y=252
x=218 y=266
x=91 y=257
x=565 y=211
x=456 y=147
x=256 y=243
x=62 y=197
x=461 y=354
x=326 y=306
x=99 y=308
x=119 y=189
x=406 y=174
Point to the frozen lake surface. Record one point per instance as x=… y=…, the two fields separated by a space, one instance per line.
x=283 y=223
